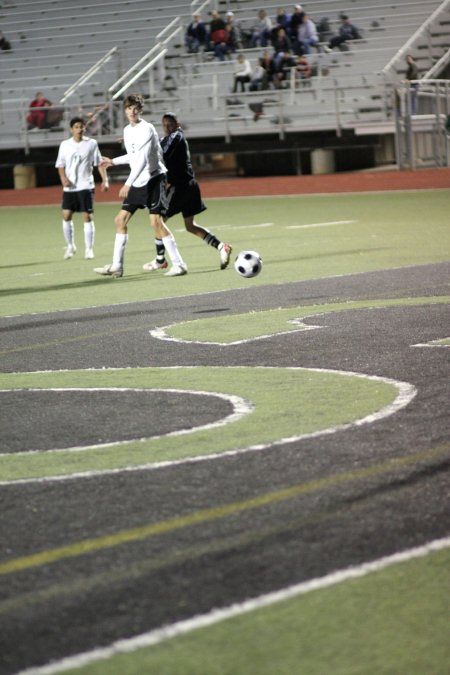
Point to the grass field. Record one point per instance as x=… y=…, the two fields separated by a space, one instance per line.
x=298 y=238
x=388 y=619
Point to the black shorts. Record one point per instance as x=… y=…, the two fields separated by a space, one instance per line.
x=81 y=201
x=186 y=199
x=151 y=196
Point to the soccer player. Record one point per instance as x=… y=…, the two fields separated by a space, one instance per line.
x=183 y=193
x=145 y=187
x=76 y=158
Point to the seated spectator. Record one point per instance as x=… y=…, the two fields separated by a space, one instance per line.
x=261 y=30
x=242 y=73
x=303 y=70
x=37 y=117
x=324 y=29
x=216 y=24
x=5 y=44
x=282 y=19
x=283 y=66
x=236 y=32
x=347 y=31
x=307 y=35
x=196 y=35
x=281 y=42
x=295 y=22
x=223 y=42
x=264 y=72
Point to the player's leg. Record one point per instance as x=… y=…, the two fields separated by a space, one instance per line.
x=193 y=205
x=136 y=199
x=158 y=205
x=87 y=206
x=67 y=226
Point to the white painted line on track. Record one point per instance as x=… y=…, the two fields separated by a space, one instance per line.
x=215 y=616
x=406 y=393
x=240 y=406
x=331 y=222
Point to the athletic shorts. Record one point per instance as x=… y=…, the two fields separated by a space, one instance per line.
x=81 y=201
x=186 y=199
x=151 y=196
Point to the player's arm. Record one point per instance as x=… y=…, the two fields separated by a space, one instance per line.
x=104 y=176
x=65 y=182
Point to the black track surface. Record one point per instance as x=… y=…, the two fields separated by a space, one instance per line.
x=60 y=609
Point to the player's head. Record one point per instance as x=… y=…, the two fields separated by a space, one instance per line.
x=170 y=122
x=76 y=120
x=134 y=101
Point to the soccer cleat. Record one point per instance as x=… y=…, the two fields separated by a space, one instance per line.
x=176 y=270
x=225 y=252
x=89 y=254
x=70 y=251
x=154 y=265
x=108 y=271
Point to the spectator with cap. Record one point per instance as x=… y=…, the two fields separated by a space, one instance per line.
x=295 y=22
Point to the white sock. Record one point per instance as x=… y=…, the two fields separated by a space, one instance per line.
x=89 y=234
x=171 y=246
x=68 y=231
x=119 y=250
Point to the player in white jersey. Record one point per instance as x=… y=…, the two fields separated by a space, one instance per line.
x=145 y=187
x=76 y=159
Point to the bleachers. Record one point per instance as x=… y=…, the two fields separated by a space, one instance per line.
x=346 y=88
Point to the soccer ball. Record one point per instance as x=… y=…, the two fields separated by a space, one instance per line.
x=248 y=264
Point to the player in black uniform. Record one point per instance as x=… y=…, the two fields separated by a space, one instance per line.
x=183 y=193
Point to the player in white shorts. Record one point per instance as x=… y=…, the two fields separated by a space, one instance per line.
x=145 y=187
x=76 y=159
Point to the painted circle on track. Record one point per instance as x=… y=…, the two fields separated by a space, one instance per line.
x=81 y=417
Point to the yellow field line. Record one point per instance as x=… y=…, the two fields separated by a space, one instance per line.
x=210 y=515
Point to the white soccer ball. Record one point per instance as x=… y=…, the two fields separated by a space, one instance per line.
x=248 y=264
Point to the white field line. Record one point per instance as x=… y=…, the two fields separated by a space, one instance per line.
x=240 y=406
x=406 y=393
x=331 y=222
x=215 y=616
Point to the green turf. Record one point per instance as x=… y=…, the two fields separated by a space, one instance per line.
x=391 y=622
x=307 y=402
x=386 y=230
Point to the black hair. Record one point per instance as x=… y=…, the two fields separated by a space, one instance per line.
x=74 y=120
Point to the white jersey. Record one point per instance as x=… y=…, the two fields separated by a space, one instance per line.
x=144 y=153
x=78 y=159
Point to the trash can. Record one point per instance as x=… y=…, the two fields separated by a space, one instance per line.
x=322 y=161
x=24 y=177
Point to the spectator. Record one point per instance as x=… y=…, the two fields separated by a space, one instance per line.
x=196 y=35
x=242 y=73
x=412 y=73
x=303 y=70
x=282 y=18
x=37 y=117
x=281 y=43
x=261 y=30
x=257 y=77
x=5 y=44
x=218 y=35
x=307 y=35
x=295 y=22
x=264 y=72
x=324 y=29
x=283 y=66
x=347 y=31
x=236 y=32
x=224 y=42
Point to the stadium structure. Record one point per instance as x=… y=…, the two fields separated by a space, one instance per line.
x=354 y=112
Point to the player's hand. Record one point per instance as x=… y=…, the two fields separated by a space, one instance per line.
x=66 y=182
x=104 y=187
x=124 y=190
x=106 y=162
